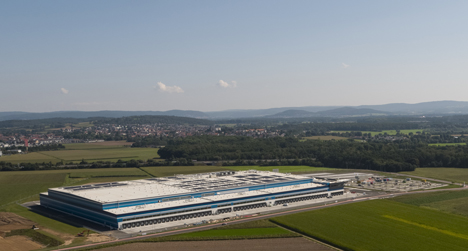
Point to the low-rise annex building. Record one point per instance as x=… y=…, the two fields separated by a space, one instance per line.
x=131 y=204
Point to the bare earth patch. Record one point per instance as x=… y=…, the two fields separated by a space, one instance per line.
x=98 y=238
x=18 y=243
x=11 y=221
x=279 y=244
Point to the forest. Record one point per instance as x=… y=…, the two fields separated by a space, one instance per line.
x=405 y=155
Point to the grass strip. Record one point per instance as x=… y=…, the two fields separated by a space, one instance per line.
x=36 y=236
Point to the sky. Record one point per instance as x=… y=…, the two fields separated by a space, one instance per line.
x=220 y=55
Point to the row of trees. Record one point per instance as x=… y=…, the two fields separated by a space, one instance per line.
x=384 y=156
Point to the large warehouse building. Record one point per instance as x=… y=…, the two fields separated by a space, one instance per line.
x=130 y=204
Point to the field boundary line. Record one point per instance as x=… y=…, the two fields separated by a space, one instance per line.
x=50 y=156
x=146 y=172
x=309 y=238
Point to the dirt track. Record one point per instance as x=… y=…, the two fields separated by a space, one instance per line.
x=279 y=244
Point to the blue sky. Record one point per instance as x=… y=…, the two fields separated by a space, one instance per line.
x=217 y=55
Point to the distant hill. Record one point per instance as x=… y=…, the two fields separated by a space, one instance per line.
x=337 y=112
x=351 y=111
x=146 y=119
x=434 y=107
x=232 y=114
x=426 y=108
x=292 y=114
x=103 y=114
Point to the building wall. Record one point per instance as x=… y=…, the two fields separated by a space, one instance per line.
x=102 y=218
x=94 y=211
x=74 y=200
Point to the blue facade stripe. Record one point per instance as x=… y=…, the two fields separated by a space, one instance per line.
x=198 y=195
x=266 y=197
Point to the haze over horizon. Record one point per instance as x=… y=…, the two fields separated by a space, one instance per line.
x=214 y=56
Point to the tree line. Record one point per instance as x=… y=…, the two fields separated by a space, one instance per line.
x=404 y=155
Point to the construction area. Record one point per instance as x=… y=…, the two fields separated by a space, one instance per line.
x=375 y=182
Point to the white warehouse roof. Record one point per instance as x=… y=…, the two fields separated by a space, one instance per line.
x=177 y=185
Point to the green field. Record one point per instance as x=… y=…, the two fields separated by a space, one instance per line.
x=326 y=137
x=90 y=152
x=161 y=171
x=454 y=202
x=283 y=169
x=18 y=185
x=448 y=144
x=443 y=173
x=23 y=186
x=83 y=124
x=389 y=132
x=232 y=234
x=382 y=225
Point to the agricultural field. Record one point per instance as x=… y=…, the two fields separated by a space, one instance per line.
x=276 y=244
x=18 y=185
x=389 y=132
x=448 y=144
x=83 y=124
x=381 y=225
x=284 y=169
x=98 y=145
x=454 y=202
x=443 y=173
x=231 y=234
x=23 y=184
x=326 y=137
x=261 y=229
x=161 y=171
x=90 y=152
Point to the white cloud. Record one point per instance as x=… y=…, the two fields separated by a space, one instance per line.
x=165 y=88
x=345 y=65
x=225 y=84
x=64 y=91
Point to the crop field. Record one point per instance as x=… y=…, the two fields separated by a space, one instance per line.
x=18 y=185
x=381 y=225
x=261 y=229
x=22 y=184
x=83 y=124
x=276 y=244
x=98 y=145
x=161 y=171
x=326 y=137
x=90 y=152
x=231 y=234
x=35 y=157
x=442 y=173
x=283 y=169
x=389 y=132
x=448 y=144
x=454 y=202
x=107 y=172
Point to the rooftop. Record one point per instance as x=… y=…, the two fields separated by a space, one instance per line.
x=175 y=185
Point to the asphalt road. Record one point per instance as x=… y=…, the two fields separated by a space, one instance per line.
x=259 y=217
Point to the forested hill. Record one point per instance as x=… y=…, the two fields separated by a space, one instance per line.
x=61 y=122
x=397 y=156
x=153 y=120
